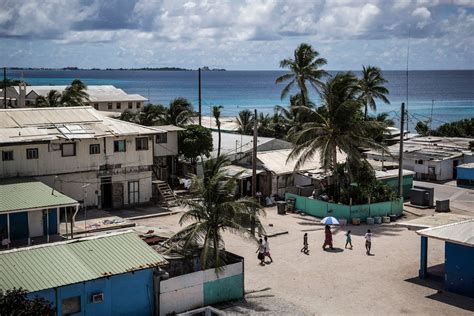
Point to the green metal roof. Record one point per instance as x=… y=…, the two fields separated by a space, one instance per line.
x=58 y=264
x=18 y=194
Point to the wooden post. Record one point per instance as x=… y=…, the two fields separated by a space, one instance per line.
x=254 y=169
x=199 y=95
x=5 y=87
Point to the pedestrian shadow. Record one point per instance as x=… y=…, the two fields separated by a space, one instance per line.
x=334 y=250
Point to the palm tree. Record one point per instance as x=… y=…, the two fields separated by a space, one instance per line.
x=216 y=112
x=152 y=115
x=338 y=126
x=304 y=67
x=213 y=210
x=372 y=87
x=52 y=99
x=75 y=94
x=179 y=113
x=245 y=122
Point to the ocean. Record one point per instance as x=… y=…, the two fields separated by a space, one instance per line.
x=452 y=91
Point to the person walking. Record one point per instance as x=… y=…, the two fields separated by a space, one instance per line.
x=305 y=244
x=261 y=252
x=368 y=241
x=348 y=239
x=327 y=238
x=267 y=249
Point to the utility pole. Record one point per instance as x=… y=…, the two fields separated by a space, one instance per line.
x=400 y=155
x=5 y=87
x=431 y=117
x=254 y=170
x=199 y=88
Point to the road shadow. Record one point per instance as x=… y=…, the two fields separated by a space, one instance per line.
x=334 y=250
x=435 y=281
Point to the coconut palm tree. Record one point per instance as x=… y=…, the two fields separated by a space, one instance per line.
x=52 y=99
x=304 y=67
x=372 y=87
x=245 y=122
x=152 y=115
x=338 y=126
x=212 y=210
x=179 y=113
x=75 y=94
x=216 y=112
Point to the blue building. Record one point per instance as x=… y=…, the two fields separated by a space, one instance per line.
x=458 y=253
x=29 y=211
x=465 y=174
x=104 y=275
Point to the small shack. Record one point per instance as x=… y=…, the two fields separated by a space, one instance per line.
x=459 y=255
x=465 y=174
x=110 y=274
x=29 y=211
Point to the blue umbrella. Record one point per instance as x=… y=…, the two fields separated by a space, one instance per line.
x=330 y=221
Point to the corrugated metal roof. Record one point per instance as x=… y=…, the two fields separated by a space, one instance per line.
x=276 y=161
x=25 y=193
x=36 y=124
x=459 y=233
x=58 y=264
x=469 y=165
x=245 y=172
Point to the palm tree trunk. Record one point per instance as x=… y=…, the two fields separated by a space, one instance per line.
x=303 y=95
x=365 y=113
x=335 y=177
x=219 y=143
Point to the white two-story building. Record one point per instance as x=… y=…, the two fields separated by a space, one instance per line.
x=86 y=155
x=101 y=97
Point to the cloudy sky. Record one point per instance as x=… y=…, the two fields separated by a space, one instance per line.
x=237 y=35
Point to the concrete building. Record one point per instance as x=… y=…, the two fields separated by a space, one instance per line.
x=101 y=97
x=459 y=255
x=30 y=211
x=112 y=274
x=431 y=158
x=78 y=151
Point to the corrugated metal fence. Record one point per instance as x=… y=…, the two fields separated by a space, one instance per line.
x=322 y=209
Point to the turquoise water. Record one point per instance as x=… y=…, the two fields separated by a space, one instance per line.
x=453 y=91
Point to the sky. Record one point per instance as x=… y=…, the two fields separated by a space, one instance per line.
x=236 y=35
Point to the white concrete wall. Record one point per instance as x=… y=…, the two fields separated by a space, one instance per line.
x=169 y=148
x=185 y=292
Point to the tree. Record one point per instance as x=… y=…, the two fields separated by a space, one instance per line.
x=304 y=67
x=216 y=112
x=422 y=128
x=195 y=141
x=462 y=128
x=212 y=210
x=336 y=127
x=245 y=122
x=11 y=82
x=179 y=113
x=75 y=94
x=372 y=87
x=16 y=302
x=52 y=99
x=152 y=115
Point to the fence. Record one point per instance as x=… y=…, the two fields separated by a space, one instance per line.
x=322 y=209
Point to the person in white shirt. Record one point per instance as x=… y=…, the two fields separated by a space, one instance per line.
x=368 y=241
x=267 y=249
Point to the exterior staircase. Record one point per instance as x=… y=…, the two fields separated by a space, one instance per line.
x=168 y=196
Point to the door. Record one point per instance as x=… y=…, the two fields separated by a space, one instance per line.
x=117 y=195
x=35 y=223
x=455 y=169
x=106 y=192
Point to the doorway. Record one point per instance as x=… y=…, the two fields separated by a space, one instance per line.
x=106 y=192
x=35 y=223
x=455 y=169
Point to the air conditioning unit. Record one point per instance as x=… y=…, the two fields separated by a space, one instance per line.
x=97 y=298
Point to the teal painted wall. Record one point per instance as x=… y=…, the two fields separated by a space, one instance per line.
x=321 y=209
x=407 y=184
x=222 y=290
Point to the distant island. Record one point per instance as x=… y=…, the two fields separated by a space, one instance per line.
x=205 y=68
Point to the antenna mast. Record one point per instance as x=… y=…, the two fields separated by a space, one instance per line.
x=408 y=56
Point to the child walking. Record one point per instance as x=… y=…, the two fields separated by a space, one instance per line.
x=261 y=252
x=267 y=249
x=368 y=241
x=305 y=244
x=348 y=239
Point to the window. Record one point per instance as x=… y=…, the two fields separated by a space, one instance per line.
x=68 y=150
x=119 y=105
x=419 y=162
x=96 y=106
x=133 y=192
x=32 y=153
x=109 y=106
x=94 y=149
x=138 y=105
x=162 y=138
x=119 y=146
x=71 y=305
x=7 y=155
x=141 y=143
x=130 y=105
